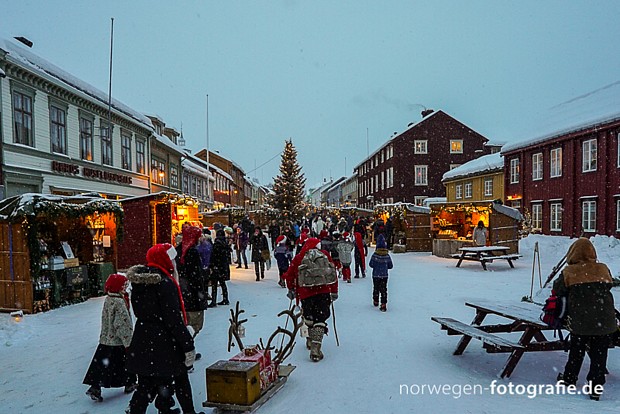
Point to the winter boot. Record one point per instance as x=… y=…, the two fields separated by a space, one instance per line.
x=94 y=393
x=315 y=333
x=375 y=303
x=224 y=302
x=383 y=307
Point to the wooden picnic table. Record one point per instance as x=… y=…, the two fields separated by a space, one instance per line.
x=523 y=317
x=485 y=254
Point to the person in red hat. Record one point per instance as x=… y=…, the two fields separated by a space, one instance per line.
x=316 y=299
x=107 y=368
x=283 y=257
x=345 y=247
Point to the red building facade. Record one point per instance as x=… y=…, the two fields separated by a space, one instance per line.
x=410 y=166
x=569 y=180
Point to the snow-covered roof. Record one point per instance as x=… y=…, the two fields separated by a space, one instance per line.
x=409 y=206
x=30 y=204
x=168 y=143
x=41 y=67
x=598 y=107
x=221 y=172
x=434 y=200
x=509 y=211
x=486 y=163
x=195 y=168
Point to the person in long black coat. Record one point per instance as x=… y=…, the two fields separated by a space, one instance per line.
x=258 y=243
x=220 y=268
x=161 y=347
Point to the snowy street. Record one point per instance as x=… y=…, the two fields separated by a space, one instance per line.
x=382 y=356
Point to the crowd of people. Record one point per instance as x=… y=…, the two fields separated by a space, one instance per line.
x=152 y=357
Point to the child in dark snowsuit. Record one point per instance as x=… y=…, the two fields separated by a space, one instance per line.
x=380 y=262
x=361 y=251
x=283 y=257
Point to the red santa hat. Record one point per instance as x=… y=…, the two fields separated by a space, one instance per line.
x=302 y=238
x=323 y=234
x=115 y=283
x=281 y=239
x=345 y=234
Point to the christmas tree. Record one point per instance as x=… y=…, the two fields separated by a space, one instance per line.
x=289 y=185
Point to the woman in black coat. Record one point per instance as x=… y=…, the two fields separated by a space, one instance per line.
x=220 y=268
x=161 y=347
x=258 y=243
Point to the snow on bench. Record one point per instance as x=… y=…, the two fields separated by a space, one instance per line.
x=455 y=327
x=503 y=257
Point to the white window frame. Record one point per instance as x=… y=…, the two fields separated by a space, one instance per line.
x=459 y=143
x=453 y=166
x=555 y=163
x=537 y=166
x=420 y=146
x=589 y=155
x=588 y=215
x=423 y=170
x=555 y=217
x=419 y=200
x=469 y=190
x=488 y=187
x=458 y=191
x=514 y=170
x=537 y=216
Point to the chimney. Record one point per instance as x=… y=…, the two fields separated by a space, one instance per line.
x=427 y=112
x=23 y=40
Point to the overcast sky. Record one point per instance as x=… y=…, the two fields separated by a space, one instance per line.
x=338 y=77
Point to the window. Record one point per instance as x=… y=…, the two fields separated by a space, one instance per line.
x=106 y=145
x=536 y=216
x=86 y=139
x=372 y=182
x=58 y=129
x=382 y=155
x=390 y=177
x=421 y=175
x=458 y=191
x=126 y=151
x=468 y=188
x=516 y=204
x=140 y=157
x=22 y=116
x=419 y=147
x=174 y=176
x=588 y=217
x=419 y=200
x=556 y=217
x=456 y=146
x=453 y=166
x=158 y=171
x=537 y=166
x=556 y=162
x=376 y=183
x=185 y=188
x=589 y=155
x=382 y=180
x=488 y=187
x=514 y=170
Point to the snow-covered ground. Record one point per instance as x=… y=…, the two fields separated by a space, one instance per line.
x=44 y=357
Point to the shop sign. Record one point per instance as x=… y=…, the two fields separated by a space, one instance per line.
x=91 y=173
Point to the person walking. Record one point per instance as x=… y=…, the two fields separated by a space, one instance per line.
x=345 y=247
x=361 y=251
x=161 y=347
x=316 y=299
x=108 y=367
x=220 y=269
x=274 y=231
x=590 y=316
x=258 y=243
x=283 y=256
x=241 y=245
x=380 y=262
x=191 y=280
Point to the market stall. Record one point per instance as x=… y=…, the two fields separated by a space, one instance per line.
x=410 y=223
x=452 y=226
x=50 y=245
x=226 y=216
x=152 y=219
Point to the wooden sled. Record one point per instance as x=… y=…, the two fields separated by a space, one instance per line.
x=283 y=373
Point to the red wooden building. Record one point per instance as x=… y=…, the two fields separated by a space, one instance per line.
x=409 y=167
x=568 y=175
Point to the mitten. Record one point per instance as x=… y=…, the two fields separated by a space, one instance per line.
x=190 y=357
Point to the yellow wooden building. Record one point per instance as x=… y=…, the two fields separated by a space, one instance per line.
x=478 y=180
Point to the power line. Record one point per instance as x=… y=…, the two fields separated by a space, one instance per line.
x=265 y=163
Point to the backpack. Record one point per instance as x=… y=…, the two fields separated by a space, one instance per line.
x=316 y=270
x=554 y=314
x=344 y=249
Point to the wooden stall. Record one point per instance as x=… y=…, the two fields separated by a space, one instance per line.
x=226 y=216
x=152 y=219
x=411 y=225
x=50 y=243
x=452 y=226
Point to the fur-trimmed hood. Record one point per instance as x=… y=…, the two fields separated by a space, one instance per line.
x=141 y=274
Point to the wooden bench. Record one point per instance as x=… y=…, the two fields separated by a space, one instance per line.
x=492 y=343
x=508 y=257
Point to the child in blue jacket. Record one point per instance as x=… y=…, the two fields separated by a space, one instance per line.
x=380 y=262
x=283 y=257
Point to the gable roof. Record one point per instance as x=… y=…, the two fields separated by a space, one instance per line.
x=486 y=163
